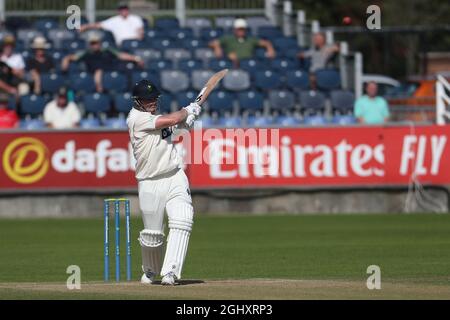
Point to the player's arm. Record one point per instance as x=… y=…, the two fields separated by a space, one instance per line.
x=177 y=117
x=270 y=51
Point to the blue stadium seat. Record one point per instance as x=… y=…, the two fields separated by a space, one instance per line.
x=73 y=45
x=283 y=64
x=208 y=34
x=344 y=120
x=258 y=121
x=267 y=79
x=269 y=32
x=251 y=101
x=287 y=121
x=297 y=79
x=130 y=45
x=123 y=102
x=150 y=34
x=167 y=23
x=82 y=82
x=27 y=35
x=282 y=100
x=219 y=64
x=181 y=34
x=90 y=123
x=115 y=123
x=328 y=79
x=57 y=56
x=165 y=103
x=206 y=121
x=230 y=122
x=200 y=77
x=12 y=103
x=32 y=104
x=225 y=23
x=312 y=100
x=189 y=65
x=316 y=120
x=137 y=76
x=174 y=80
x=57 y=36
x=96 y=103
x=52 y=82
x=196 y=24
x=220 y=101
x=114 y=81
x=260 y=54
x=256 y=22
x=45 y=24
x=185 y=97
x=203 y=54
x=175 y=54
x=192 y=44
x=160 y=65
x=161 y=43
x=32 y=124
x=285 y=43
x=148 y=55
x=236 y=80
x=251 y=65
x=126 y=67
x=342 y=100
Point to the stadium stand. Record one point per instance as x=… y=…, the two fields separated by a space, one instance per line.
x=267 y=91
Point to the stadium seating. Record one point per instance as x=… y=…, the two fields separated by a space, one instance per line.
x=208 y=34
x=114 y=81
x=181 y=34
x=167 y=23
x=174 y=80
x=258 y=121
x=282 y=100
x=97 y=103
x=45 y=25
x=267 y=79
x=196 y=24
x=142 y=75
x=160 y=65
x=176 y=54
x=27 y=35
x=236 y=80
x=32 y=124
x=90 y=123
x=32 y=105
x=344 y=120
x=251 y=65
x=342 y=101
x=189 y=65
x=312 y=101
x=230 y=122
x=226 y=23
x=251 y=101
x=184 y=98
x=199 y=78
x=219 y=64
x=221 y=102
x=123 y=102
x=297 y=79
x=315 y=120
x=328 y=79
x=165 y=103
x=283 y=64
x=115 y=123
x=82 y=82
x=51 y=82
x=287 y=121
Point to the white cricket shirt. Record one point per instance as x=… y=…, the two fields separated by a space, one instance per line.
x=153 y=148
x=123 y=28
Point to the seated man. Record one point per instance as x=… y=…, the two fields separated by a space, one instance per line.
x=124 y=26
x=8 y=118
x=320 y=54
x=61 y=113
x=370 y=108
x=39 y=63
x=98 y=59
x=7 y=80
x=240 y=46
x=12 y=59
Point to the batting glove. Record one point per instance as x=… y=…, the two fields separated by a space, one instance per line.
x=190 y=121
x=193 y=109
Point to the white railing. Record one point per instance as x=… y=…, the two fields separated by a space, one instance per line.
x=442 y=101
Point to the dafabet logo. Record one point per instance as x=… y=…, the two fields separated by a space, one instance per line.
x=26 y=160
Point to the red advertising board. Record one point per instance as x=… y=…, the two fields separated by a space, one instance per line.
x=233 y=158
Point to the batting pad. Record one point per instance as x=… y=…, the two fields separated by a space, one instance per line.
x=180 y=225
x=152 y=246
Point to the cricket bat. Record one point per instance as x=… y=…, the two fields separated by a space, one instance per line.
x=210 y=85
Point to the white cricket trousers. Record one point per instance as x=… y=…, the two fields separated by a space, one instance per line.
x=170 y=193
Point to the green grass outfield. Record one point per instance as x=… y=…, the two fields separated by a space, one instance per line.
x=272 y=257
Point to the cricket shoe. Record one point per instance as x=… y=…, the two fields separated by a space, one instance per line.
x=169 y=279
x=148 y=277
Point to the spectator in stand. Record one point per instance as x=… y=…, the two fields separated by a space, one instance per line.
x=61 y=113
x=98 y=59
x=239 y=45
x=7 y=80
x=370 y=108
x=39 y=63
x=13 y=60
x=124 y=26
x=8 y=118
x=320 y=54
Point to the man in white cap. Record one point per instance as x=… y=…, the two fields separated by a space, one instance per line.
x=124 y=26
x=239 y=45
x=39 y=63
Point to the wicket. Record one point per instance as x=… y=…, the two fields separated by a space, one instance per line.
x=106 y=208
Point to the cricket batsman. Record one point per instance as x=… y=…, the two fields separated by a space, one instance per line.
x=163 y=185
